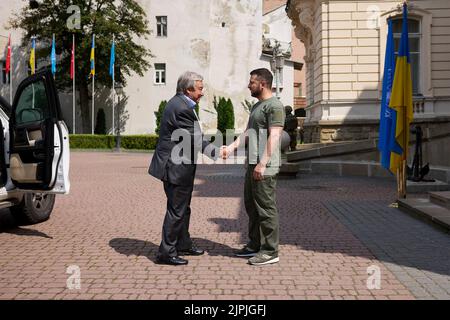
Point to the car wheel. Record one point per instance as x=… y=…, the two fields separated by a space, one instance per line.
x=34 y=208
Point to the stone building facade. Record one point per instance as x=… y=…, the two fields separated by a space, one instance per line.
x=345 y=45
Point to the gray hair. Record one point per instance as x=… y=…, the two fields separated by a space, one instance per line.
x=187 y=81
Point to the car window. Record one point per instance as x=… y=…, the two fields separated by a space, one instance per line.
x=33 y=104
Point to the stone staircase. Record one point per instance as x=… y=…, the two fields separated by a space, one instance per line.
x=434 y=207
x=354 y=158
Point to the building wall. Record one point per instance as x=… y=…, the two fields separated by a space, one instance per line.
x=221 y=40
x=345 y=48
x=269 y=5
x=298 y=53
x=276 y=25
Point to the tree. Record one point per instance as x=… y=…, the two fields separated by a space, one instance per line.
x=159 y=114
x=100 y=125
x=230 y=115
x=197 y=110
x=125 y=19
x=225 y=114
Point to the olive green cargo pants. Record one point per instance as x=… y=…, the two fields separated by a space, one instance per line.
x=261 y=207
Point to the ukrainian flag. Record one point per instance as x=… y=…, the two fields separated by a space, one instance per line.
x=93 y=56
x=401 y=97
x=32 y=55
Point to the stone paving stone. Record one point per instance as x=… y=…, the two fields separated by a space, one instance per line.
x=110 y=227
x=416 y=252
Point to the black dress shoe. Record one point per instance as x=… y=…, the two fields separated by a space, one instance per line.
x=174 y=261
x=193 y=251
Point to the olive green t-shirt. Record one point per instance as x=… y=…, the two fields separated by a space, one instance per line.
x=264 y=114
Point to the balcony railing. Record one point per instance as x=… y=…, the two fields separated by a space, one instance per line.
x=419 y=105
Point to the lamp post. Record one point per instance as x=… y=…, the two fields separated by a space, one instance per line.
x=119 y=91
x=276 y=64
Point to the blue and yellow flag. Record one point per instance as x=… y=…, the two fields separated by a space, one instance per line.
x=93 y=56
x=388 y=116
x=401 y=97
x=32 y=55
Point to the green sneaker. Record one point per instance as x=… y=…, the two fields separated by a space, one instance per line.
x=262 y=259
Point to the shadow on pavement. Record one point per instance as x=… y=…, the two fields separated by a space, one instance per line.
x=9 y=225
x=227 y=225
x=348 y=215
x=149 y=250
x=28 y=232
x=214 y=248
x=135 y=247
x=7 y=221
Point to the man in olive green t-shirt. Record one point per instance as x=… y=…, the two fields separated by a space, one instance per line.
x=263 y=133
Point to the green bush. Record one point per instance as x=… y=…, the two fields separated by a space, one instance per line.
x=197 y=110
x=89 y=141
x=100 y=125
x=225 y=114
x=139 y=142
x=159 y=114
x=130 y=142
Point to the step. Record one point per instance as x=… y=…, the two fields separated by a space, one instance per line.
x=332 y=150
x=289 y=170
x=425 y=209
x=426 y=186
x=441 y=198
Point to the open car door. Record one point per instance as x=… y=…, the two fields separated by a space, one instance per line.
x=39 y=138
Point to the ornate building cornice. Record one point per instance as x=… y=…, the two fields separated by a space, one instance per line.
x=301 y=13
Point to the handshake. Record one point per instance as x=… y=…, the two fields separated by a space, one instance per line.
x=226 y=151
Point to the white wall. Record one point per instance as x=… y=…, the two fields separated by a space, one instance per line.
x=197 y=41
x=279 y=25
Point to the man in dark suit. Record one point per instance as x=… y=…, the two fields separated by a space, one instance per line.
x=174 y=162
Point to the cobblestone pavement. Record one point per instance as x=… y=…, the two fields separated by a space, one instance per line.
x=415 y=252
x=332 y=230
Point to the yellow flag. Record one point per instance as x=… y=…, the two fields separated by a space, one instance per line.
x=32 y=55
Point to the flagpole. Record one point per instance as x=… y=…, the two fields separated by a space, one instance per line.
x=93 y=88
x=73 y=84
x=405 y=153
x=54 y=75
x=10 y=73
x=93 y=104
x=113 y=97
x=33 y=66
x=405 y=122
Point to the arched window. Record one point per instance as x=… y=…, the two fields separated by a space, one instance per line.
x=414 y=33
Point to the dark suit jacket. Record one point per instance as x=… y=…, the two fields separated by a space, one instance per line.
x=179 y=115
